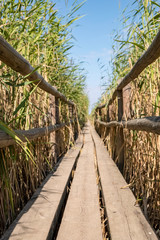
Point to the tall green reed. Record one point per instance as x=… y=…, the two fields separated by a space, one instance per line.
x=34 y=28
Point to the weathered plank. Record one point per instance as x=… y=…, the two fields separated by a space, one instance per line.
x=147 y=124
x=13 y=59
x=6 y=140
x=39 y=217
x=81 y=218
x=126 y=221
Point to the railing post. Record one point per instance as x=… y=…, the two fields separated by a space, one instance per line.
x=53 y=134
x=100 y=114
x=120 y=142
x=76 y=123
x=57 y=110
x=126 y=102
x=108 y=115
x=71 y=123
x=57 y=148
x=108 y=120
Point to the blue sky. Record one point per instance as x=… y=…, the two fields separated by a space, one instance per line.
x=94 y=38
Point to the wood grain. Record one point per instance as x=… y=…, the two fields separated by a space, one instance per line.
x=81 y=219
x=147 y=124
x=6 y=140
x=126 y=221
x=38 y=219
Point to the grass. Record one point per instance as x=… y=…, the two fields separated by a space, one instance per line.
x=34 y=28
x=141 y=150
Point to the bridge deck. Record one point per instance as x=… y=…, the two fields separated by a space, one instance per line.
x=81 y=218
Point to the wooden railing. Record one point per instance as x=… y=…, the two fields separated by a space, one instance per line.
x=13 y=59
x=148 y=124
x=136 y=152
x=35 y=139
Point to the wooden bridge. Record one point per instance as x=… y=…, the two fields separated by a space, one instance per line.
x=85 y=192
x=86 y=196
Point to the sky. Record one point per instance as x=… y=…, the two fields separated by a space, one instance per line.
x=94 y=39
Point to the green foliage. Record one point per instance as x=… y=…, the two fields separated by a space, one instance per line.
x=140 y=24
x=35 y=29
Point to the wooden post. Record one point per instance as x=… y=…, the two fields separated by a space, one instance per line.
x=99 y=118
x=120 y=105
x=126 y=102
x=52 y=135
x=108 y=115
x=100 y=114
x=71 y=123
x=57 y=110
x=57 y=135
x=120 y=142
x=108 y=120
x=75 y=123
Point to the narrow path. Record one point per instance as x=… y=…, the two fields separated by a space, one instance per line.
x=81 y=219
x=97 y=205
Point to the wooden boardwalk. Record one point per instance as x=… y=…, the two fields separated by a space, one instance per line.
x=54 y=212
x=81 y=218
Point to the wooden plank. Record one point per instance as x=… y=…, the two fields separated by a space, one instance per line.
x=147 y=124
x=126 y=221
x=39 y=217
x=25 y=135
x=81 y=218
x=13 y=59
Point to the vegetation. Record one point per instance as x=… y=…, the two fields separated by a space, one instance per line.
x=140 y=25
x=35 y=30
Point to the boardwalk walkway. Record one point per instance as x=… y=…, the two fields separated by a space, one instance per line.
x=67 y=205
x=81 y=218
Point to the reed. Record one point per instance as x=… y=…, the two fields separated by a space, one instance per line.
x=34 y=28
x=141 y=150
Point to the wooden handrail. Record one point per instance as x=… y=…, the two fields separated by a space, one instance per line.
x=27 y=135
x=148 y=57
x=147 y=124
x=13 y=59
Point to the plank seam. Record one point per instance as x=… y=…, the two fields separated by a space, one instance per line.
x=53 y=234
x=102 y=207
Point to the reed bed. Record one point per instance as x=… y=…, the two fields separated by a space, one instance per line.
x=141 y=149
x=36 y=30
x=141 y=153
